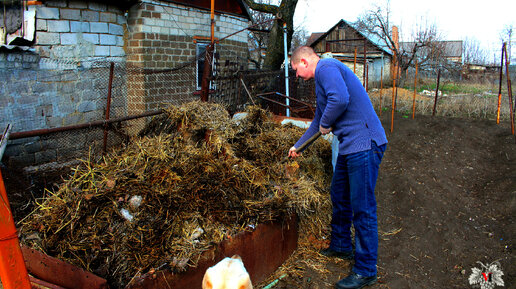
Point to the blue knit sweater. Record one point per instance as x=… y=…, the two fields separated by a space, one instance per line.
x=343 y=105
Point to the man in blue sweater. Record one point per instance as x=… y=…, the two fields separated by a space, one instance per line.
x=344 y=108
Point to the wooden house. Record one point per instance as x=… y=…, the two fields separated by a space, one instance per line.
x=351 y=47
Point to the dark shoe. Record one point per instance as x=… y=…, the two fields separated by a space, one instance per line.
x=328 y=252
x=355 y=281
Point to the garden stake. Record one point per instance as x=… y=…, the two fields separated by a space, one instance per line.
x=500 y=88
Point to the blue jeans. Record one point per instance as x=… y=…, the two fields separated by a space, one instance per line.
x=352 y=196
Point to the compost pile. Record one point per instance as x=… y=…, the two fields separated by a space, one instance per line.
x=193 y=177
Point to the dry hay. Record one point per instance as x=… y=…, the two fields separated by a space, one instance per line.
x=191 y=179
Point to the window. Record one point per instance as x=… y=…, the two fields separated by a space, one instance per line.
x=200 y=52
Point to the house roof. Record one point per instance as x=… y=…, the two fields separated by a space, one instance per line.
x=373 y=40
x=314 y=36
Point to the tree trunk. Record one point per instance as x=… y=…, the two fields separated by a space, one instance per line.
x=285 y=14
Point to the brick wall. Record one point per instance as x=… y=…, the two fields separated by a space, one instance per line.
x=163 y=36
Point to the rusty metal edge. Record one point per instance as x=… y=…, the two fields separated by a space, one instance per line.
x=61 y=273
x=262 y=250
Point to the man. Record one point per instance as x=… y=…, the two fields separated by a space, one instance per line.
x=344 y=108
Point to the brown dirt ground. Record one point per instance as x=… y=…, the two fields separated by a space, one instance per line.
x=446 y=198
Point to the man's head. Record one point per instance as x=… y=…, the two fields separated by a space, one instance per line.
x=304 y=61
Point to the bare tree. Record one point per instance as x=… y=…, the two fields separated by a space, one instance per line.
x=425 y=43
x=284 y=12
x=506 y=36
x=473 y=53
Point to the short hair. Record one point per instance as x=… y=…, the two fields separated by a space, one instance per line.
x=300 y=52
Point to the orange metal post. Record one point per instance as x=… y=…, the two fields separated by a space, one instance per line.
x=12 y=265
x=500 y=88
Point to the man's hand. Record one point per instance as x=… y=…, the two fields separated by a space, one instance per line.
x=292 y=153
x=324 y=130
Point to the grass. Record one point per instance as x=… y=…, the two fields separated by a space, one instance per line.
x=453 y=88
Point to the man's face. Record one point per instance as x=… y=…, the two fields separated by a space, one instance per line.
x=301 y=69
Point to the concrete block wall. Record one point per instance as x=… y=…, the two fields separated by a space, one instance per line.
x=79 y=30
x=62 y=79
x=163 y=36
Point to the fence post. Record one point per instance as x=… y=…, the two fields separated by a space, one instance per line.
x=509 y=88
x=436 y=90
x=108 y=105
x=500 y=88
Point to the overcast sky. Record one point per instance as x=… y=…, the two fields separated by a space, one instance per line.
x=456 y=19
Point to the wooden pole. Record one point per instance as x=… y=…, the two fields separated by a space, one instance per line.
x=355 y=62
x=436 y=90
x=500 y=88
x=414 y=98
x=365 y=63
x=393 y=103
x=509 y=88
x=381 y=87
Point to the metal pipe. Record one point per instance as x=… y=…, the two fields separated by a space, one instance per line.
x=45 y=131
x=108 y=105
x=286 y=67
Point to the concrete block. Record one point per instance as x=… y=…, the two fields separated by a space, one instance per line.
x=79 y=26
x=120 y=41
x=120 y=19
x=86 y=106
x=117 y=51
x=45 y=156
x=77 y=4
x=102 y=51
x=68 y=38
x=47 y=38
x=99 y=27
x=55 y=3
x=91 y=37
x=115 y=29
x=58 y=25
x=107 y=17
x=71 y=14
x=47 y=12
x=41 y=25
x=91 y=16
x=97 y=6
x=107 y=39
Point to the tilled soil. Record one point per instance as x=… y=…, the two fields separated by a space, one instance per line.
x=446 y=198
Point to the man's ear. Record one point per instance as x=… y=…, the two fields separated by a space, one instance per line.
x=304 y=62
